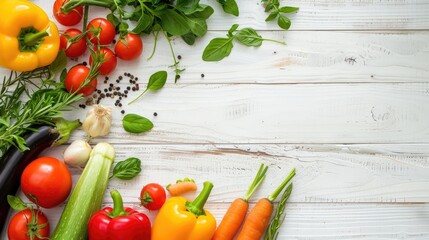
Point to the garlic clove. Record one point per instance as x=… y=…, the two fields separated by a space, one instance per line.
x=77 y=154
x=98 y=121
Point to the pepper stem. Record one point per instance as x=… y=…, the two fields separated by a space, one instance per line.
x=197 y=206
x=31 y=39
x=118 y=204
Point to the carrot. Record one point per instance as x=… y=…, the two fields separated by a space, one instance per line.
x=259 y=217
x=181 y=187
x=237 y=211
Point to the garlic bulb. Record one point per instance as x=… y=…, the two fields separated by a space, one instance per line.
x=98 y=121
x=77 y=154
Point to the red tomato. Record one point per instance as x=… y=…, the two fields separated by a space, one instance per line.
x=102 y=28
x=152 y=196
x=109 y=63
x=75 y=49
x=130 y=47
x=46 y=181
x=23 y=223
x=76 y=77
x=70 y=19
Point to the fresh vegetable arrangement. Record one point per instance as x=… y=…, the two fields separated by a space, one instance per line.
x=36 y=53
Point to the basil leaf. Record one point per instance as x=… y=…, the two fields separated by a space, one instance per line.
x=127 y=169
x=198 y=26
x=232 y=30
x=16 y=203
x=283 y=22
x=202 y=11
x=174 y=23
x=187 y=6
x=249 y=37
x=134 y=123
x=288 y=9
x=157 y=80
x=272 y=16
x=189 y=38
x=230 y=6
x=144 y=22
x=269 y=7
x=218 y=49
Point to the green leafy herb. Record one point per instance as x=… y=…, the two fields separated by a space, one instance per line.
x=219 y=48
x=156 y=82
x=127 y=169
x=272 y=231
x=276 y=11
x=16 y=203
x=134 y=123
x=230 y=6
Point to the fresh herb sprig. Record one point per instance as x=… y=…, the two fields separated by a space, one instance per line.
x=279 y=12
x=156 y=82
x=229 y=6
x=45 y=102
x=219 y=48
x=272 y=231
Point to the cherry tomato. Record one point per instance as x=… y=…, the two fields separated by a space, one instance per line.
x=109 y=63
x=22 y=225
x=76 y=77
x=102 y=28
x=46 y=181
x=75 y=49
x=130 y=47
x=152 y=196
x=70 y=19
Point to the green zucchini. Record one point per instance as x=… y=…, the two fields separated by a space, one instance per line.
x=87 y=196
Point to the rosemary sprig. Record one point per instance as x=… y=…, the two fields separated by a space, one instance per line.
x=272 y=231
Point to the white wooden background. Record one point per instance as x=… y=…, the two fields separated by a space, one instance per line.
x=356 y=130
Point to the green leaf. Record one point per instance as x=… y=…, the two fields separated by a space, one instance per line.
x=232 y=30
x=123 y=28
x=134 y=123
x=16 y=203
x=272 y=16
x=189 y=38
x=231 y=7
x=187 y=6
x=157 y=80
x=127 y=169
x=288 y=9
x=198 y=26
x=283 y=22
x=113 y=19
x=202 y=11
x=59 y=63
x=174 y=23
x=268 y=7
x=218 y=49
x=5 y=121
x=249 y=37
x=144 y=22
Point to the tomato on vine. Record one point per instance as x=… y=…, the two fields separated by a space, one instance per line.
x=129 y=47
x=70 y=19
x=76 y=78
x=46 y=181
x=109 y=61
x=28 y=224
x=76 y=48
x=101 y=31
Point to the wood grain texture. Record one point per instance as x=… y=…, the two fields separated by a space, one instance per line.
x=282 y=113
x=325 y=173
x=323 y=15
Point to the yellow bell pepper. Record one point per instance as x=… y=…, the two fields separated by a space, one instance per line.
x=179 y=219
x=28 y=39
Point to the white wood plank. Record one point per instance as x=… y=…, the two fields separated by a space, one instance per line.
x=325 y=173
x=309 y=113
x=320 y=15
x=331 y=220
x=309 y=57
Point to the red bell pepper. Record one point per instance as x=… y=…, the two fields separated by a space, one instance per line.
x=118 y=223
